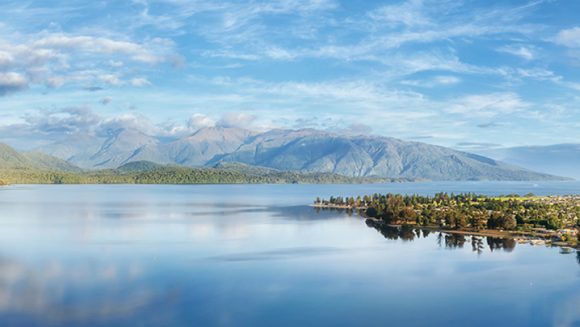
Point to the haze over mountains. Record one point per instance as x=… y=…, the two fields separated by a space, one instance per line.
x=12 y=159
x=557 y=159
x=304 y=150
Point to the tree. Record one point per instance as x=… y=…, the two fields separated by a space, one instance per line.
x=371 y=212
x=408 y=214
x=508 y=222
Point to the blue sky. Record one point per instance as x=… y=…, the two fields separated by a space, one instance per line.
x=465 y=74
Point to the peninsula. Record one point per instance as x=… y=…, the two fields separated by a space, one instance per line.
x=529 y=218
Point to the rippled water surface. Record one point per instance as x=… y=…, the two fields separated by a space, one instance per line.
x=257 y=255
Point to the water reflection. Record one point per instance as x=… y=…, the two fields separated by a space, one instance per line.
x=58 y=293
x=304 y=213
x=298 y=212
x=452 y=241
x=279 y=254
x=214 y=256
x=447 y=240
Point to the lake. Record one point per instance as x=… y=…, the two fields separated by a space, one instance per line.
x=258 y=255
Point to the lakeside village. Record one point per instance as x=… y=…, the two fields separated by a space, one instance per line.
x=538 y=220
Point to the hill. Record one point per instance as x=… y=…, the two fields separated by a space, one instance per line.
x=139 y=166
x=12 y=159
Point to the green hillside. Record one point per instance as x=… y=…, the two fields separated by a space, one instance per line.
x=10 y=158
x=43 y=161
x=139 y=166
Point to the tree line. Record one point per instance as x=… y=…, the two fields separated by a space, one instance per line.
x=467 y=210
x=170 y=175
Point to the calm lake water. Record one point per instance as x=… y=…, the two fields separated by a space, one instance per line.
x=257 y=255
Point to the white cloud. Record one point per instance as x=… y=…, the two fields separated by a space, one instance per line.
x=132 y=120
x=140 y=81
x=569 y=37
x=518 y=51
x=197 y=121
x=61 y=122
x=447 y=80
x=12 y=82
x=409 y=13
x=443 y=80
x=137 y=52
x=488 y=105
x=377 y=36
x=111 y=79
x=236 y=119
x=56 y=59
x=6 y=58
x=280 y=54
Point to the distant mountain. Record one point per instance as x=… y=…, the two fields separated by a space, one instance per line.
x=205 y=144
x=558 y=159
x=75 y=149
x=12 y=159
x=44 y=161
x=117 y=148
x=307 y=151
x=39 y=168
x=316 y=151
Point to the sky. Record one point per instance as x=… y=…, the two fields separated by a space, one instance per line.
x=470 y=75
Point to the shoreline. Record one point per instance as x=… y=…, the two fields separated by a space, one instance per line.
x=521 y=237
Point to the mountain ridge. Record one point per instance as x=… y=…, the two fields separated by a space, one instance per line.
x=302 y=150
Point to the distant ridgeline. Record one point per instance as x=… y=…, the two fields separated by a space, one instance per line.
x=151 y=173
x=470 y=212
x=304 y=151
x=172 y=175
x=38 y=168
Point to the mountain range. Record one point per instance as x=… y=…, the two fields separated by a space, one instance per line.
x=38 y=168
x=306 y=151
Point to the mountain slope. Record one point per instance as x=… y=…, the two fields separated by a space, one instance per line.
x=558 y=159
x=12 y=159
x=117 y=148
x=314 y=151
x=44 y=161
x=307 y=150
x=205 y=144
